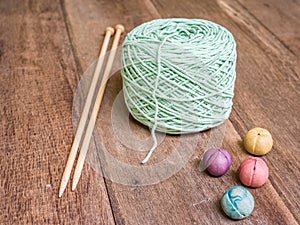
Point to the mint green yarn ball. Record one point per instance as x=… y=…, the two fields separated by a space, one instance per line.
x=178 y=74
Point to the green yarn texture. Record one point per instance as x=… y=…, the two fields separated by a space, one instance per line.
x=178 y=74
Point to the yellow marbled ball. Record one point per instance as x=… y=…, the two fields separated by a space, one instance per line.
x=258 y=141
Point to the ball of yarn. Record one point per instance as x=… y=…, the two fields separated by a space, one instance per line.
x=258 y=141
x=237 y=203
x=216 y=161
x=178 y=74
x=253 y=172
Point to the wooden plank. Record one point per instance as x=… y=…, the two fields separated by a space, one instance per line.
x=191 y=197
x=37 y=79
x=285 y=25
x=40 y=67
x=266 y=86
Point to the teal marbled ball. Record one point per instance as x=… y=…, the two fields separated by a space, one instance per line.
x=237 y=203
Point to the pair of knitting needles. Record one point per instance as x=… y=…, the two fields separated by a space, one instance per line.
x=109 y=31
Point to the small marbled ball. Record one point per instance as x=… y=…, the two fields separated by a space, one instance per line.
x=258 y=141
x=216 y=161
x=253 y=172
x=237 y=203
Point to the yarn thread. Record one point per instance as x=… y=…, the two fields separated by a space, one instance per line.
x=178 y=75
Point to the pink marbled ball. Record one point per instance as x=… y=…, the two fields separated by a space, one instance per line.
x=253 y=172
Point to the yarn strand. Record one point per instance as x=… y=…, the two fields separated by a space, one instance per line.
x=156 y=104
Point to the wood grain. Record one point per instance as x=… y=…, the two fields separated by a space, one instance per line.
x=38 y=74
x=45 y=48
x=284 y=26
x=263 y=94
x=126 y=207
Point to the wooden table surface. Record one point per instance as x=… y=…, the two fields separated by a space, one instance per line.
x=45 y=47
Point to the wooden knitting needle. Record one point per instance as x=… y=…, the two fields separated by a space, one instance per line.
x=89 y=131
x=109 y=31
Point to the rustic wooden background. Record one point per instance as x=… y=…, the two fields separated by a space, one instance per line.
x=45 y=46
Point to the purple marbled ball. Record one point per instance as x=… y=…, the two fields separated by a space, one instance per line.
x=217 y=161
